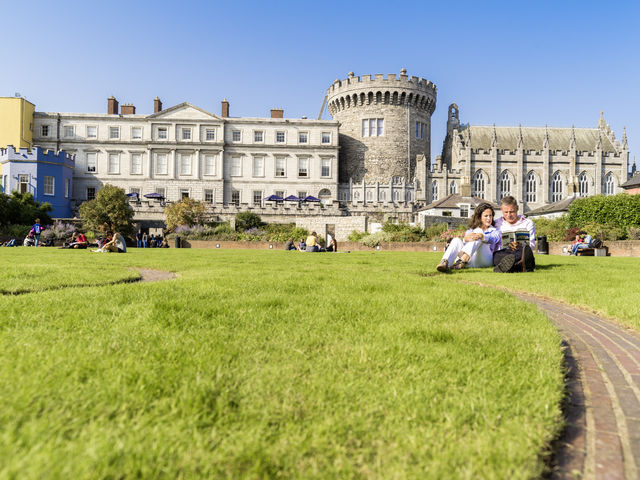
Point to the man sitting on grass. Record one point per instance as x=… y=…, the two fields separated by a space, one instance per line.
x=514 y=257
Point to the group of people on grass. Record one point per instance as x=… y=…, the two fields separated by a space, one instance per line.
x=143 y=240
x=311 y=244
x=481 y=246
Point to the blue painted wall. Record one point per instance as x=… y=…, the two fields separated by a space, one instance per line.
x=38 y=164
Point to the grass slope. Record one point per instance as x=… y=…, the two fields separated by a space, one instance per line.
x=260 y=364
x=608 y=285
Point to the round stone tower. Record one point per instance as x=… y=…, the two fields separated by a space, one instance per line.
x=384 y=124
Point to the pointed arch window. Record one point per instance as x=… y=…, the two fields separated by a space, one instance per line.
x=478 y=184
x=434 y=191
x=556 y=187
x=505 y=184
x=583 y=185
x=369 y=195
x=608 y=184
x=531 y=194
x=453 y=188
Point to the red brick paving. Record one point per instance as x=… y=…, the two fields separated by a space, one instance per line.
x=602 y=437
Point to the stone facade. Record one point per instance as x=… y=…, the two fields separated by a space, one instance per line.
x=537 y=165
x=187 y=151
x=385 y=124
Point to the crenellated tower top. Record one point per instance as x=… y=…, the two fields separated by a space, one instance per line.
x=391 y=89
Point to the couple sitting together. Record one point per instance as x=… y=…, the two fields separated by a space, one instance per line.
x=482 y=246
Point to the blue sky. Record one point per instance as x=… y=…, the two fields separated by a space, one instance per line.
x=508 y=63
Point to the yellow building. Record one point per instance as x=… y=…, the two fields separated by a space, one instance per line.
x=16 y=123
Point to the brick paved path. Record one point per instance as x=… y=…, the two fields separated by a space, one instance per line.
x=602 y=438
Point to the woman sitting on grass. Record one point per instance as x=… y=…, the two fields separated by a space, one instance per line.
x=116 y=245
x=476 y=248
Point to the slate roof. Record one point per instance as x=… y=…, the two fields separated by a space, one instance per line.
x=561 y=206
x=533 y=138
x=633 y=182
x=452 y=201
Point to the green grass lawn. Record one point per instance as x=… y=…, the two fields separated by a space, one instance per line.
x=261 y=364
x=607 y=285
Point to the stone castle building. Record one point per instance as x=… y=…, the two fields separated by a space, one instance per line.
x=536 y=165
x=371 y=160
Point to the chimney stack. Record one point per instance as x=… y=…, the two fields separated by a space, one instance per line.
x=225 y=108
x=127 y=109
x=157 y=105
x=112 y=105
x=277 y=113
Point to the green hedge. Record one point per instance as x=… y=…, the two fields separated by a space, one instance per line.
x=618 y=211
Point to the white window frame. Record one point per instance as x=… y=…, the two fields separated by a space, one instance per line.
x=186 y=164
x=184 y=193
x=325 y=163
x=258 y=136
x=49 y=181
x=327 y=136
x=234 y=193
x=556 y=187
x=258 y=166
x=372 y=127
x=282 y=133
x=133 y=133
x=158 y=164
x=531 y=188
x=94 y=156
x=302 y=194
x=95 y=191
x=162 y=191
x=44 y=130
x=110 y=170
x=434 y=190
x=479 y=184
x=303 y=165
x=163 y=130
x=111 y=133
x=453 y=187
x=303 y=138
x=69 y=131
x=609 y=184
x=284 y=167
x=210 y=166
x=207 y=131
x=257 y=195
x=236 y=166
x=186 y=134
x=207 y=192
x=505 y=184
x=89 y=131
x=236 y=136
x=583 y=185
x=133 y=170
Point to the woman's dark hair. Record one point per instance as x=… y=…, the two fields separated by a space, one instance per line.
x=476 y=219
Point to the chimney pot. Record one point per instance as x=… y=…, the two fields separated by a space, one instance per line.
x=277 y=113
x=225 y=108
x=127 y=109
x=112 y=105
x=157 y=105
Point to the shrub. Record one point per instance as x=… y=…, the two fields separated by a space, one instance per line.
x=633 y=233
x=435 y=232
x=555 y=229
x=247 y=220
x=617 y=211
x=376 y=239
x=22 y=209
x=59 y=231
x=15 y=231
x=356 y=236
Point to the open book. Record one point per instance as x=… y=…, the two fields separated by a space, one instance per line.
x=520 y=236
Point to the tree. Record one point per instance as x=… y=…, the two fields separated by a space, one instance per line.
x=185 y=212
x=247 y=220
x=22 y=209
x=110 y=209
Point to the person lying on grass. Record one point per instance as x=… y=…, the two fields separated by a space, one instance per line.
x=116 y=245
x=476 y=248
